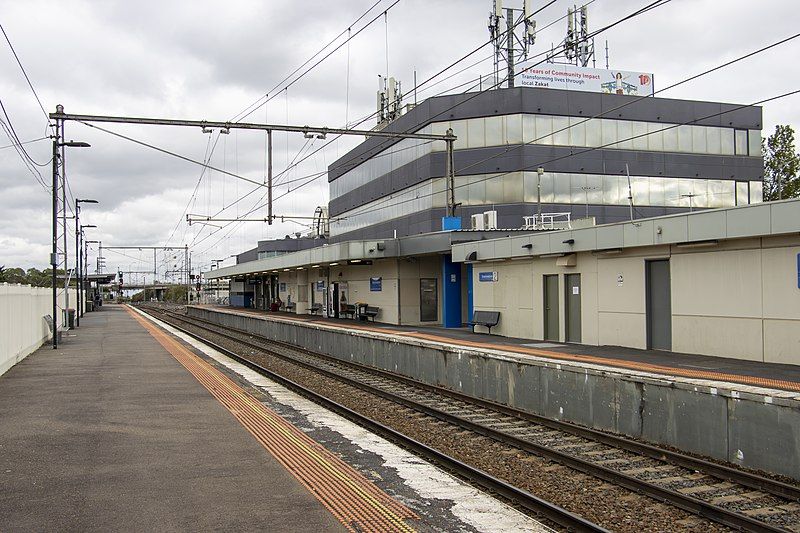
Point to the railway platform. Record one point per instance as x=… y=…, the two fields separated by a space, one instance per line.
x=130 y=427
x=667 y=364
x=742 y=412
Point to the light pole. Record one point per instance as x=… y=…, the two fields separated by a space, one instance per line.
x=81 y=265
x=539 y=174
x=54 y=255
x=86 y=257
x=78 y=227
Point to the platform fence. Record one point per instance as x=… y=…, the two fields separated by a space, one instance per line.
x=23 y=327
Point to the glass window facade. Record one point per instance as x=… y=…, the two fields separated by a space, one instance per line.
x=392 y=158
x=555 y=131
x=560 y=188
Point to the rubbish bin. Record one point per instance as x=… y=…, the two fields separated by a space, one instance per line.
x=69 y=318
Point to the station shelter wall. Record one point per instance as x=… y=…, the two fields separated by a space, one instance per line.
x=398 y=299
x=358 y=277
x=739 y=298
x=411 y=271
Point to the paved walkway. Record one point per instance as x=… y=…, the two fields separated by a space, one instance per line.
x=111 y=433
x=770 y=375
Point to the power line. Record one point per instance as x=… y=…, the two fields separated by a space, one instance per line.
x=207 y=160
x=32 y=169
x=24 y=142
x=539 y=164
x=24 y=73
x=646 y=8
x=173 y=154
x=652 y=5
x=17 y=139
x=349 y=38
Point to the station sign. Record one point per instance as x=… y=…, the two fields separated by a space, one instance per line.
x=595 y=80
x=487 y=276
x=375 y=284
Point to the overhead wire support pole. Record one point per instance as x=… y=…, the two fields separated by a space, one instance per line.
x=451 y=176
x=54 y=254
x=269 y=177
x=322 y=130
x=64 y=221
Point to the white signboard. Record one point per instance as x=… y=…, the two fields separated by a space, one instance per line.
x=571 y=77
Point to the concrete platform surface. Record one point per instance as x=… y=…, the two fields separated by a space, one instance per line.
x=111 y=433
x=772 y=375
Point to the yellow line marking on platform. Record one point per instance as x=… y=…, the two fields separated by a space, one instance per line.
x=353 y=499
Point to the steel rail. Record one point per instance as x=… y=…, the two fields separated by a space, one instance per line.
x=517 y=496
x=688 y=503
x=744 y=478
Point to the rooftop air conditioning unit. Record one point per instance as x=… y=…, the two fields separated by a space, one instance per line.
x=477 y=221
x=490 y=220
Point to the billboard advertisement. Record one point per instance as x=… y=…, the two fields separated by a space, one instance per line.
x=574 y=78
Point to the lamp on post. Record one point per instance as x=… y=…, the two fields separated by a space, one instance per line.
x=86 y=258
x=54 y=255
x=79 y=259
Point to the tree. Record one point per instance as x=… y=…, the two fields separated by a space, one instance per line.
x=781 y=165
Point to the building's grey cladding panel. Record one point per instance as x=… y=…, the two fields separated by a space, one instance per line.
x=552 y=102
x=508 y=216
x=249 y=255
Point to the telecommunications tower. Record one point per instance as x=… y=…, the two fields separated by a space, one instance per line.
x=512 y=42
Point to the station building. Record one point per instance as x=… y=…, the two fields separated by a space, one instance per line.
x=697 y=229
x=679 y=154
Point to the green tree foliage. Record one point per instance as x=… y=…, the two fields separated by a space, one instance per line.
x=781 y=165
x=33 y=276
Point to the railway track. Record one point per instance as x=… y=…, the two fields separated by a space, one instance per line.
x=732 y=497
x=516 y=496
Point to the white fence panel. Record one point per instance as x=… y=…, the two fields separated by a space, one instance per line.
x=22 y=325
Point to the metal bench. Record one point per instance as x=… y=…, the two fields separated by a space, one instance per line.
x=365 y=313
x=487 y=319
x=315 y=308
x=348 y=310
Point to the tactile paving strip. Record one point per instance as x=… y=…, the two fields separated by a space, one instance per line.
x=354 y=500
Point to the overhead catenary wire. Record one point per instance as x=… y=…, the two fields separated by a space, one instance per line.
x=24 y=73
x=14 y=145
x=640 y=11
x=549 y=56
x=541 y=163
x=420 y=85
x=173 y=154
x=272 y=93
x=32 y=169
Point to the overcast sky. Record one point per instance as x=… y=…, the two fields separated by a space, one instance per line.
x=200 y=59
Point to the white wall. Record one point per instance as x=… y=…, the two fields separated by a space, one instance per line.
x=22 y=325
x=738 y=299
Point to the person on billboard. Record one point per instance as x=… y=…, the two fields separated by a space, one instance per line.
x=618 y=83
x=619 y=86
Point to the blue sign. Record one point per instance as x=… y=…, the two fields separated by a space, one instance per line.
x=320 y=286
x=375 y=284
x=487 y=276
x=282 y=287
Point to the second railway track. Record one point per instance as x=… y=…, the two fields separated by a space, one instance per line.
x=725 y=495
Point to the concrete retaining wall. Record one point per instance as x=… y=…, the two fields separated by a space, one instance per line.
x=22 y=325
x=752 y=427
